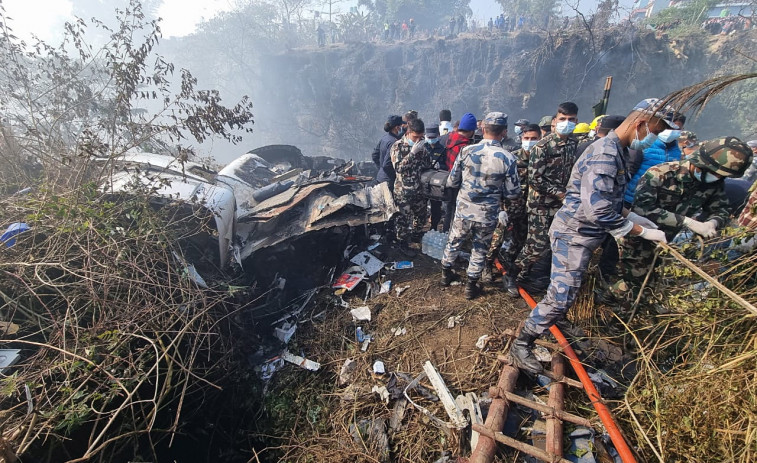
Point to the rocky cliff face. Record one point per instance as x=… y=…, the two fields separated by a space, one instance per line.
x=334 y=100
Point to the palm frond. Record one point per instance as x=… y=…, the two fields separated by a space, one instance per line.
x=696 y=97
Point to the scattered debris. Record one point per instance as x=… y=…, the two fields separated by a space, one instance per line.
x=268 y=368
x=385 y=287
x=454 y=321
x=378 y=367
x=9 y=237
x=361 y=313
x=398 y=331
x=372 y=434
x=347 y=371
x=482 y=341
x=350 y=278
x=300 y=361
x=453 y=411
x=405 y=264
x=469 y=402
x=370 y=263
x=359 y=335
x=7 y=358
x=401 y=289
x=285 y=332
x=366 y=343
x=383 y=393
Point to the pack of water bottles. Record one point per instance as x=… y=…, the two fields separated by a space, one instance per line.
x=433 y=243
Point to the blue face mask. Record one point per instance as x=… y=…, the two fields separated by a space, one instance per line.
x=641 y=145
x=518 y=130
x=432 y=141
x=402 y=131
x=528 y=144
x=709 y=177
x=666 y=136
x=410 y=142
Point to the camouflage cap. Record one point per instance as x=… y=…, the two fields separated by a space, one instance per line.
x=496 y=118
x=727 y=156
x=688 y=138
x=522 y=122
x=654 y=107
x=545 y=121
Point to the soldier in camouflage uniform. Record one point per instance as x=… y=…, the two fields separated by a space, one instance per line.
x=549 y=166
x=671 y=193
x=516 y=227
x=409 y=159
x=486 y=175
x=592 y=208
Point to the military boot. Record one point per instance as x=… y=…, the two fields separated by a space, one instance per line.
x=523 y=355
x=448 y=276
x=472 y=290
x=487 y=276
x=509 y=282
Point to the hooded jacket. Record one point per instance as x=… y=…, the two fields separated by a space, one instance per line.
x=656 y=154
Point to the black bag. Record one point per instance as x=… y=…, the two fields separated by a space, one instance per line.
x=434 y=184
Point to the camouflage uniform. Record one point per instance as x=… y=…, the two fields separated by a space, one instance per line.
x=549 y=166
x=517 y=226
x=413 y=213
x=666 y=195
x=486 y=175
x=592 y=208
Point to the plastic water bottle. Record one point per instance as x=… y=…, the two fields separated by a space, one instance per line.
x=424 y=242
x=359 y=335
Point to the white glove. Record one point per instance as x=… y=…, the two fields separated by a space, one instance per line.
x=418 y=146
x=705 y=229
x=641 y=220
x=652 y=234
x=503 y=217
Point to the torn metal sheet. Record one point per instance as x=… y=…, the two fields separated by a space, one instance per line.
x=315 y=206
x=7 y=358
x=450 y=406
x=302 y=362
x=174 y=180
x=370 y=263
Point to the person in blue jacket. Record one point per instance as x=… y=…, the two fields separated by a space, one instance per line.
x=665 y=149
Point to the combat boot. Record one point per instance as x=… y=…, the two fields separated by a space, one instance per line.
x=523 y=355
x=509 y=282
x=448 y=276
x=487 y=276
x=472 y=290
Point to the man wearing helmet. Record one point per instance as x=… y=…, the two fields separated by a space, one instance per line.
x=672 y=193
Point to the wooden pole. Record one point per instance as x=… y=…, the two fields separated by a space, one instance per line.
x=557 y=402
x=548 y=410
x=495 y=420
x=518 y=445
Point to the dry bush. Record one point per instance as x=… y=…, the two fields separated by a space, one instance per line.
x=695 y=396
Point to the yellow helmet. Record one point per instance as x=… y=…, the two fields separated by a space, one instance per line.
x=582 y=127
x=595 y=122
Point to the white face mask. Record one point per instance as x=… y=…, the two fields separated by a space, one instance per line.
x=645 y=143
x=565 y=127
x=518 y=130
x=708 y=177
x=666 y=136
x=528 y=144
x=592 y=133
